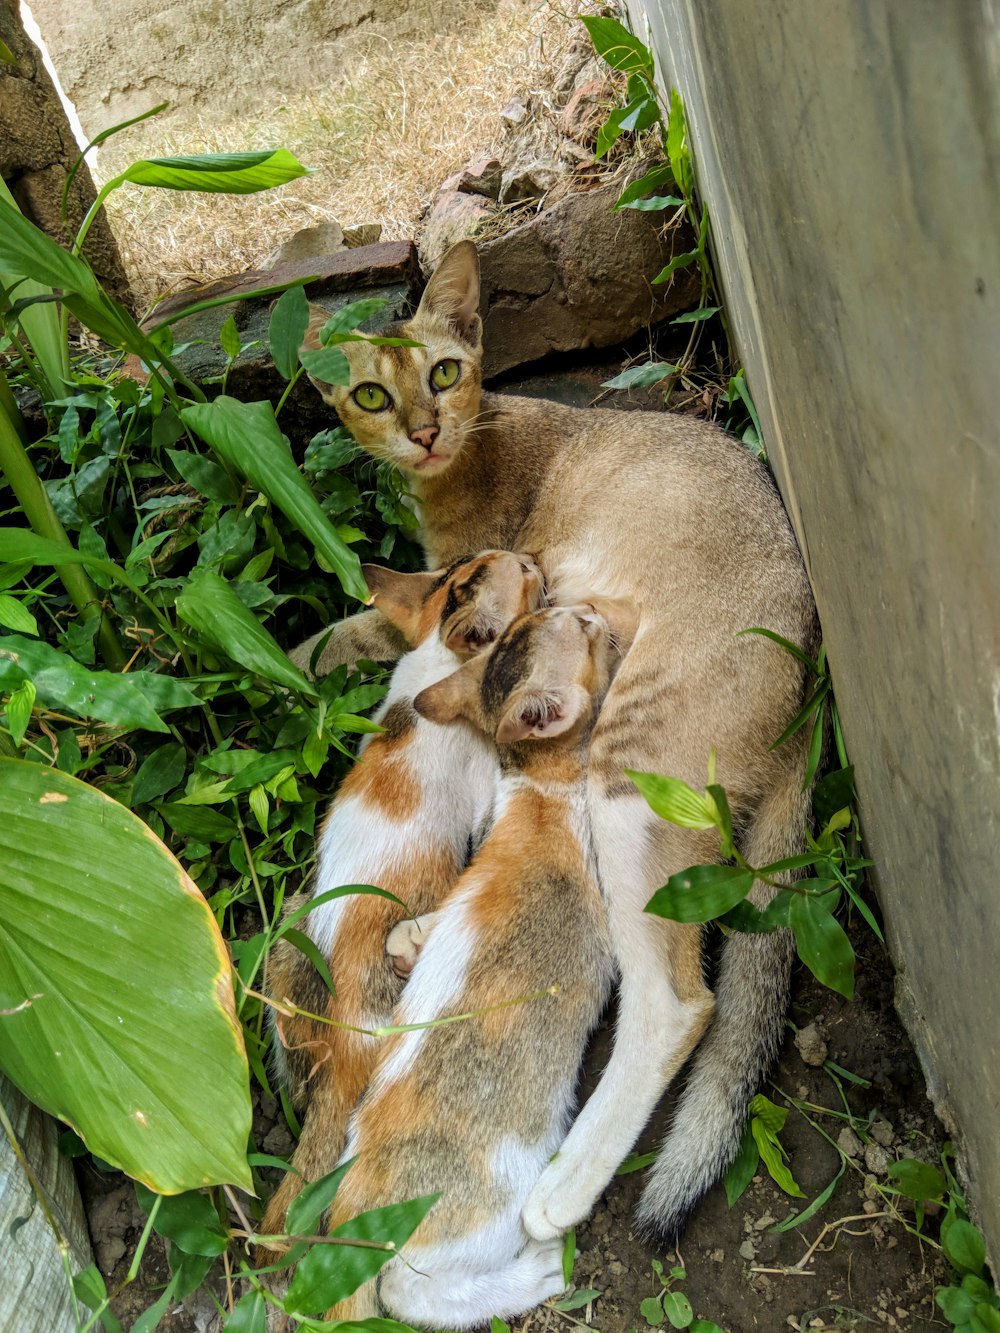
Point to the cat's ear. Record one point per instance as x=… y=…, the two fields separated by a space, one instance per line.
x=400 y=597
x=453 y=293
x=456 y=696
x=318 y=318
x=538 y=715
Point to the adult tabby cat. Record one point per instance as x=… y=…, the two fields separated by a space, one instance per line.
x=670 y=514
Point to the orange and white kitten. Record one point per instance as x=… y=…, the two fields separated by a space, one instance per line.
x=402 y=820
x=474 y=1109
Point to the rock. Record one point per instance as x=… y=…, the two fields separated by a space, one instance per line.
x=585 y=112
x=365 y=233
x=279 y=1141
x=762 y=1223
x=849 y=1143
x=881 y=1132
x=876 y=1159
x=480 y=177
x=810 y=1045
x=325 y=238
x=529 y=180
x=718 y=1256
x=578 y=275
x=515 y=112
x=747 y=1250
x=453 y=217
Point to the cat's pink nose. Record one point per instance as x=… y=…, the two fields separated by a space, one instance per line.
x=424 y=435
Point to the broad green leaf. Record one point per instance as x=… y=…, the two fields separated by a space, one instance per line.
x=672 y=799
x=701 y=893
x=286 y=329
x=217 y=173
x=21 y=546
x=634 y=195
x=249 y=1314
x=498 y=1326
x=309 y=1205
x=957 y=1306
x=706 y=1326
x=209 y=604
x=352 y=316
x=197 y=821
x=656 y=203
x=89 y=1287
x=188 y=1219
x=640 y=376
x=611 y=131
x=640 y=115
x=749 y=919
x=331 y=1273
x=771 y=1154
x=771 y=1116
x=694 y=316
x=206 y=476
x=159 y=772
x=328 y=364
x=131 y=1034
x=129 y=700
x=18 y=710
x=16 y=616
x=822 y=944
x=620 y=48
x=988 y=1316
x=741 y=1171
x=247 y=437
x=916 y=1180
x=677 y=1308
x=963 y=1245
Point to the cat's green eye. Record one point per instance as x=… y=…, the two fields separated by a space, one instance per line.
x=444 y=374
x=372 y=397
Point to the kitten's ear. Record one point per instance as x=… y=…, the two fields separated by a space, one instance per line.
x=453 y=293
x=535 y=715
x=454 y=697
x=318 y=318
x=400 y=597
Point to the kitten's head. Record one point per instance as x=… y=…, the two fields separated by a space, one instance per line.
x=414 y=407
x=544 y=678
x=469 y=604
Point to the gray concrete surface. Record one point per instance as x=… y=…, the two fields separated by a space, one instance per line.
x=848 y=152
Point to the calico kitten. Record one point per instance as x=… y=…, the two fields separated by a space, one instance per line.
x=474 y=1109
x=670 y=514
x=402 y=821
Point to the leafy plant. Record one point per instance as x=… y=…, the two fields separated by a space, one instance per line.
x=672 y=1307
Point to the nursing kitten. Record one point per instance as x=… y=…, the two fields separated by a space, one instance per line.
x=402 y=821
x=671 y=514
x=474 y=1109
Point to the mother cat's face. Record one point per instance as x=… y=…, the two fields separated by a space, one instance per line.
x=415 y=407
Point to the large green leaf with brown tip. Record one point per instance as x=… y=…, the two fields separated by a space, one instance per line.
x=116 y=1002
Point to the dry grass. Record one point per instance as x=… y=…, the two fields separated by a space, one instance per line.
x=380 y=141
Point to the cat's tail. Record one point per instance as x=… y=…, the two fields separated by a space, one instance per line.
x=743 y=1041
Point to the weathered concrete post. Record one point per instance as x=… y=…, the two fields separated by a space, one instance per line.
x=849 y=153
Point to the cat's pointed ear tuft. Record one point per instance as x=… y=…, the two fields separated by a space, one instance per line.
x=453 y=293
x=457 y=696
x=533 y=715
x=399 y=597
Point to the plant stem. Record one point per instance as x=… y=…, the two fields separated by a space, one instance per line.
x=31 y=495
x=10 y=409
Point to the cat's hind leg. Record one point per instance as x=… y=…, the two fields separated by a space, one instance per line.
x=459 y=1297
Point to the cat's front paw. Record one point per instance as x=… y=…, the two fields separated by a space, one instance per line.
x=558 y=1201
x=404 y=942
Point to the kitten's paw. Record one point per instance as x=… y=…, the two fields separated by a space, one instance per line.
x=561 y=1198
x=404 y=942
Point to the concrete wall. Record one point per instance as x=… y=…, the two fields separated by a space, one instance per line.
x=848 y=151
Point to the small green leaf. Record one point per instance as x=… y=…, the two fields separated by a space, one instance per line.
x=788 y=646
x=641 y=376
x=331 y=1273
x=684 y=260
x=7 y=57
x=677 y=1308
x=741 y=1171
x=16 y=616
x=636 y=1161
x=306 y=947
x=652 y=1311
x=188 y=1219
x=833 y=793
x=286 y=329
x=577 y=1300
x=772 y=1155
x=956 y=1304
x=963 y=1245
x=229 y=338
x=695 y=316
x=206 y=477
x=672 y=799
x=498 y=1326
x=821 y=942
x=568 y=1255
x=260 y=806
x=706 y=1326
x=160 y=772
x=916 y=1180
x=18 y=710
x=701 y=893
x=646 y=185
x=249 y=1314
x=309 y=1205
x=328 y=364
x=989 y=1316
x=813 y=1208
x=352 y=316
